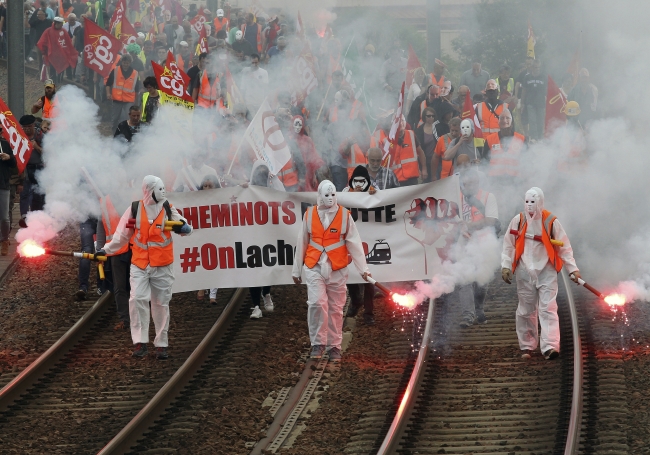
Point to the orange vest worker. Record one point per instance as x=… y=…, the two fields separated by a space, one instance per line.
x=489 y=120
x=49 y=108
x=124 y=89
x=288 y=175
x=330 y=241
x=221 y=24
x=504 y=162
x=152 y=245
x=404 y=158
x=441 y=147
x=259 y=35
x=209 y=94
x=547 y=224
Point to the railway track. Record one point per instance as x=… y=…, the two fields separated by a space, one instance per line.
x=470 y=393
x=86 y=387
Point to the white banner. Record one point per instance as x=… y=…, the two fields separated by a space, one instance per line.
x=266 y=139
x=246 y=236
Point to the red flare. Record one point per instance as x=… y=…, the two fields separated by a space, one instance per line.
x=615 y=300
x=30 y=249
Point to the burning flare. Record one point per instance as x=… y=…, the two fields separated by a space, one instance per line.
x=615 y=300
x=30 y=249
x=407 y=301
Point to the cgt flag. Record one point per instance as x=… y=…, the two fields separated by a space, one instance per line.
x=266 y=139
x=14 y=134
x=168 y=83
x=555 y=114
x=125 y=32
x=100 y=49
x=198 y=24
x=118 y=14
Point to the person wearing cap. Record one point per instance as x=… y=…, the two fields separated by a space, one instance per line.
x=47 y=101
x=586 y=95
x=122 y=86
x=184 y=56
x=438 y=75
x=475 y=78
x=30 y=198
x=220 y=22
x=488 y=111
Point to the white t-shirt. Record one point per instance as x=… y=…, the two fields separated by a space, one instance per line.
x=254 y=87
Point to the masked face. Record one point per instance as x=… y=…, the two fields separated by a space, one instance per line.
x=153 y=190
x=297 y=126
x=492 y=94
x=466 y=128
x=533 y=202
x=239 y=35
x=326 y=194
x=360 y=183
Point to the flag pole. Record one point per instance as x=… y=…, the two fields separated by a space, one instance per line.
x=387 y=171
x=330 y=86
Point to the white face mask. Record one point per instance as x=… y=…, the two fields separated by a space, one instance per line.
x=360 y=183
x=297 y=126
x=531 y=205
x=159 y=192
x=534 y=202
x=466 y=128
x=326 y=194
x=239 y=35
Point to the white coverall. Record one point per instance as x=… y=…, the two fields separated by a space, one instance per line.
x=153 y=283
x=326 y=289
x=536 y=278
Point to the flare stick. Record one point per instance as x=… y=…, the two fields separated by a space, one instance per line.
x=380 y=286
x=90 y=256
x=168 y=224
x=582 y=282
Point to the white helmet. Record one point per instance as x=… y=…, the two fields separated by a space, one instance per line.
x=219 y=13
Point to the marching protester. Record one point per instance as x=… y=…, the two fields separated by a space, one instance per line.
x=380 y=176
x=152 y=269
x=47 y=102
x=466 y=144
x=326 y=269
x=121 y=87
x=535 y=247
x=130 y=127
x=475 y=79
x=150 y=100
x=488 y=111
x=441 y=167
x=428 y=134
x=533 y=100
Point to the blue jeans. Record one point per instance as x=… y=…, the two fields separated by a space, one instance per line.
x=87 y=230
x=535 y=121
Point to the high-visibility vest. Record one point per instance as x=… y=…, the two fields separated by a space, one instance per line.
x=145 y=97
x=504 y=162
x=475 y=214
x=67 y=12
x=447 y=168
x=49 y=108
x=151 y=244
x=489 y=121
x=221 y=24
x=209 y=94
x=330 y=240
x=180 y=62
x=110 y=220
x=354 y=111
x=440 y=82
x=259 y=35
x=404 y=161
x=356 y=158
x=124 y=89
x=288 y=175
x=520 y=240
x=377 y=138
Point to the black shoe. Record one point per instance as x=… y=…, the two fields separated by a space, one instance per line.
x=481 y=319
x=352 y=311
x=140 y=350
x=368 y=319
x=22 y=223
x=161 y=353
x=551 y=354
x=81 y=294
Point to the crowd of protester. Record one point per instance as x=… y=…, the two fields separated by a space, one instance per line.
x=329 y=133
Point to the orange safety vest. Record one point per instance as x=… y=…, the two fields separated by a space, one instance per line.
x=377 y=138
x=208 y=95
x=330 y=240
x=181 y=63
x=489 y=121
x=218 y=24
x=475 y=214
x=49 y=108
x=354 y=111
x=356 y=158
x=259 y=35
x=151 y=244
x=110 y=220
x=520 y=240
x=504 y=162
x=67 y=12
x=440 y=82
x=124 y=89
x=447 y=168
x=288 y=175
x=404 y=161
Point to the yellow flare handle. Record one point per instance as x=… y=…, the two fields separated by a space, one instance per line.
x=100 y=269
x=170 y=224
x=90 y=256
x=557 y=242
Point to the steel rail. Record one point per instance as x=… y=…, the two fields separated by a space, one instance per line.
x=575 y=417
x=397 y=427
x=129 y=435
x=21 y=383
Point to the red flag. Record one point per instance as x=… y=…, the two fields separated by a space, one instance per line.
x=555 y=115
x=178 y=73
x=168 y=84
x=303 y=76
x=14 y=134
x=118 y=14
x=468 y=112
x=198 y=24
x=56 y=47
x=391 y=140
x=100 y=49
x=125 y=32
x=412 y=64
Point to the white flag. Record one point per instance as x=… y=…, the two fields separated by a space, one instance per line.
x=266 y=139
x=397 y=118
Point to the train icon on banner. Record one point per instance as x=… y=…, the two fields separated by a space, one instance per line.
x=380 y=253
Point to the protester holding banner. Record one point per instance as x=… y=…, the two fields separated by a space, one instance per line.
x=381 y=177
x=322 y=256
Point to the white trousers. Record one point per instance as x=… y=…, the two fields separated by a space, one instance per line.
x=151 y=284
x=537 y=297
x=325 y=302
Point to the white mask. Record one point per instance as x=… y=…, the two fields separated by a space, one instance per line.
x=326 y=194
x=297 y=126
x=534 y=203
x=239 y=35
x=466 y=129
x=360 y=183
x=153 y=190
